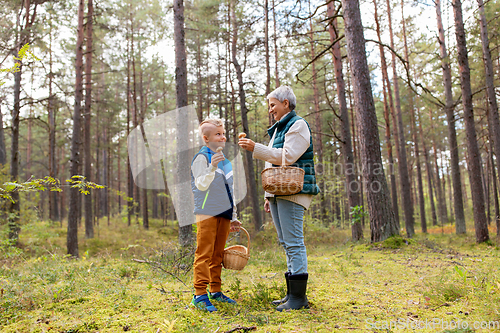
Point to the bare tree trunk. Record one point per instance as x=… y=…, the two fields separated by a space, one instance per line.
x=443 y=213
x=135 y=123
x=421 y=201
x=199 y=93
x=142 y=114
x=53 y=204
x=266 y=50
x=474 y=163
x=490 y=87
x=452 y=134
x=494 y=180
x=89 y=223
x=429 y=172
x=402 y=161
x=387 y=101
x=3 y=149
x=72 y=237
x=28 y=145
x=275 y=38
x=21 y=39
x=382 y=220
x=185 y=228
x=130 y=192
x=318 y=145
x=352 y=185
x=249 y=167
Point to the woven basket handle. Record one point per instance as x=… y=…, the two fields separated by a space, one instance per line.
x=248 y=238
x=283 y=160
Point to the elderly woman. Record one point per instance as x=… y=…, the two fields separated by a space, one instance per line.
x=292 y=134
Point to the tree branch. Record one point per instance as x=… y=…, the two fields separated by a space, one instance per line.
x=317 y=57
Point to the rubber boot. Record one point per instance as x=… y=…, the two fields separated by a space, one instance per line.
x=284 y=299
x=297 y=298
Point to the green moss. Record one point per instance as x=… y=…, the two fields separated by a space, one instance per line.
x=106 y=291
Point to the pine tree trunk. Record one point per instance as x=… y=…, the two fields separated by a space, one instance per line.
x=474 y=163
x=494 y=177
x=249 y=167
x=387 y=102
x=275 y=38
x=266 y=49
x=185 y=227
x=443 y=214
x=490 y=87
x=421 y=201
x=199 y=107
x=89 y=223
x=130 y=192
x=452 y=135
x=402 y=160
x=318 y=145
x=74 y=198
x=382 y=220
x=15 y=206
x=3 y=149
x=352 y=185
x=429 y=172
x=53 y=196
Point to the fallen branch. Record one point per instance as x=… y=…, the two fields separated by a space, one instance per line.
x=158 y=265
x=242 y=328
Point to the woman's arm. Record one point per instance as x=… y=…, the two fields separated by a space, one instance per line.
x=297 y=141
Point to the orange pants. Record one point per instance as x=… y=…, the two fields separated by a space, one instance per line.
x=211 y=239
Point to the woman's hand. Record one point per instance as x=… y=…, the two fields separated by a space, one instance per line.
x=246 y=144
x=267 y=207
x=235 y=226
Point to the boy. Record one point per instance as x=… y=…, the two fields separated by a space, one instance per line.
x=212 y=185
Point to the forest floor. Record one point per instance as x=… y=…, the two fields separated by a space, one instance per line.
x=439 y=282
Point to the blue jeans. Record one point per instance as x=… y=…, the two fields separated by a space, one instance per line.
x=288 y=218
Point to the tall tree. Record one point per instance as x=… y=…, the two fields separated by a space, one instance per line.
x=23 y=34
x=382 y=220
x=490 y=87
x=89 y=221
x=452 y=134
x=474 y=160
x=411 y=106
x=53 y=195
x=185 y=227
x=266 y=49
x=388 y=103
x=318 y=144
x=74 y=197
x=3 y=150
x=352 y=186
x=249 y=166
x=402 y=160
x=275 y=40
x=428 y=169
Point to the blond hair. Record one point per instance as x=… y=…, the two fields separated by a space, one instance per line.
x=214 y=121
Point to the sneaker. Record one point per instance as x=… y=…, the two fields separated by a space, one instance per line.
x=203 y=303
x=220 y=297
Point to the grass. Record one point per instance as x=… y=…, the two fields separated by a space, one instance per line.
x=438 y=279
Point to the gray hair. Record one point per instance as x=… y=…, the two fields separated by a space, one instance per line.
x=282 y=93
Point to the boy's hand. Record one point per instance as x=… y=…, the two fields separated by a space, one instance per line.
x=267 y=207
x=235 y=226
x=219 y=157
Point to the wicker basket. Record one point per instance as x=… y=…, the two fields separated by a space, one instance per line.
x=283 y=180
x=236 y=256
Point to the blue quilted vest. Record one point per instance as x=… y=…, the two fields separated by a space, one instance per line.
x=306 y=161
x=217 y=200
